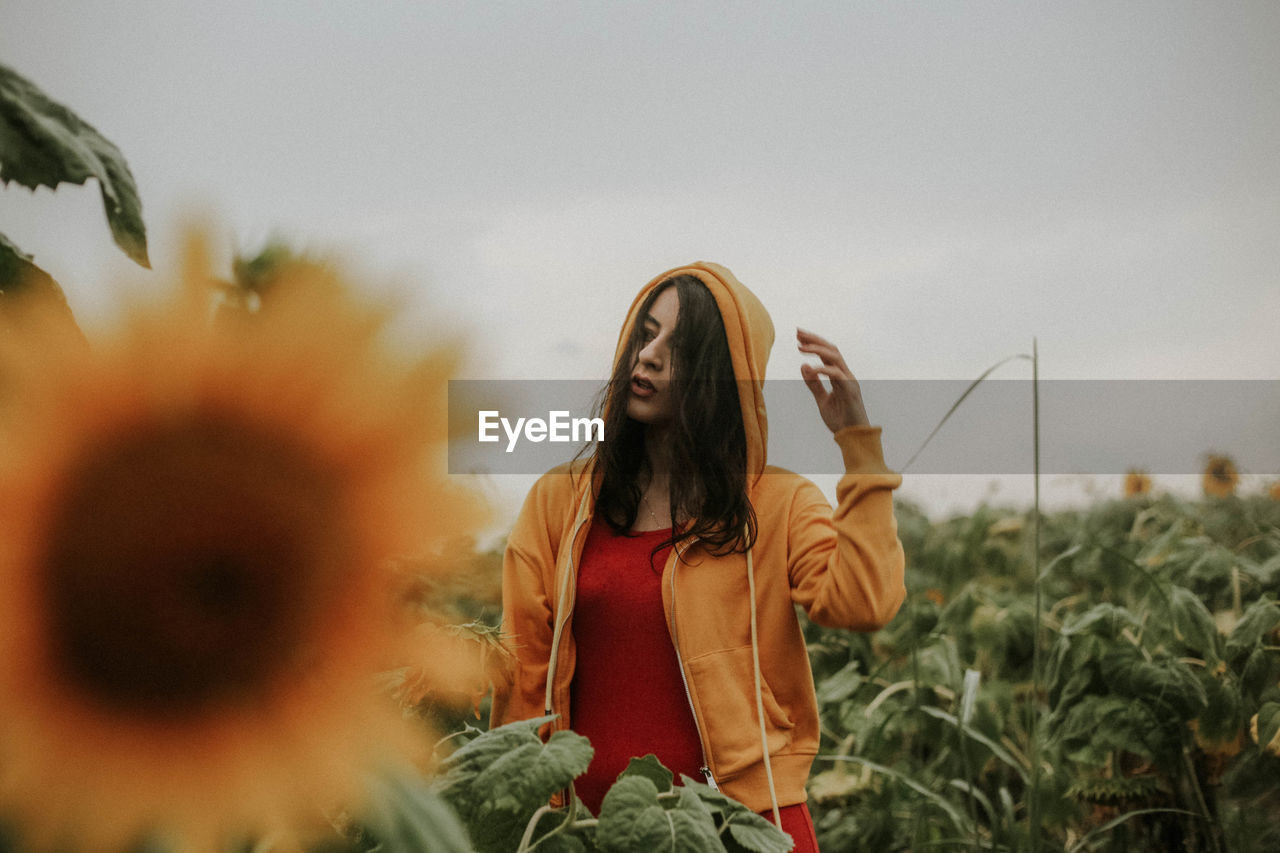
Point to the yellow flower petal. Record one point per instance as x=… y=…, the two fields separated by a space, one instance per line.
x=196 y=575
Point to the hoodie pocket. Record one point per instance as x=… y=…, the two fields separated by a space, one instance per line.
x=723 y=688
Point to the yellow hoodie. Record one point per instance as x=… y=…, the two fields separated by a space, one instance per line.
x=739 y=652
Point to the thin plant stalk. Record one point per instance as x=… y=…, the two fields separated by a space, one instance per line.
x=1033 y=809
x=916 y=751
x=968 y=694
x=956 y=405
x=1033 y=802
x=1212 y=827
x=915 y=693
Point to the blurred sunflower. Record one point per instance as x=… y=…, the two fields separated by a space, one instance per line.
x=1220 y=477
x=196 y=582
x=1274 y=490
x=1136 y=483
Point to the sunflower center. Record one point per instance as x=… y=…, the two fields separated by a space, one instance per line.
x=188 y=564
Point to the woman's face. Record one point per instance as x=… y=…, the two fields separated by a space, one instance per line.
x=650 y=399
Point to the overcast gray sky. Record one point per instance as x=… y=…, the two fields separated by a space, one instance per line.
x=928 y=184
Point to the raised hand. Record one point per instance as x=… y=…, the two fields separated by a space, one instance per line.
x=841 y=405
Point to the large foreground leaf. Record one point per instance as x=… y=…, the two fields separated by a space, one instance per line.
x=497 y=781
x=742 y=828
x=19 y=276
x=44 y=144
x=17 y=272
x=633 y=820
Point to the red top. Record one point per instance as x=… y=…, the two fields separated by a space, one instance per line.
x=628 y=696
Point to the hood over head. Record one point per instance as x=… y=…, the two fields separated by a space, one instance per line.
x=750 y=335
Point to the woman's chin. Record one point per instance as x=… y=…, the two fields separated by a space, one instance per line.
x=645 y=412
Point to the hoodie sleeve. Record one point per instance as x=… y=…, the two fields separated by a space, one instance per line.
x=528 y=567
x=847 y=567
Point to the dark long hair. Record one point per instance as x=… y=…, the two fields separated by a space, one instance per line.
x=708 y=441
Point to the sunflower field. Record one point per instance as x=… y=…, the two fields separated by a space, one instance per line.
x=1143 y=714
x=242 y=609
x=1141 y=711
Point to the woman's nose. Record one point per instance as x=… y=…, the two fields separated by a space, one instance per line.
x=650 y=355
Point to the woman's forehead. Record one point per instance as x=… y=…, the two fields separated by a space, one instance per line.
x=665 y=308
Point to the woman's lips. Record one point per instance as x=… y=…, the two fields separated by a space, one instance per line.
x=641 y=387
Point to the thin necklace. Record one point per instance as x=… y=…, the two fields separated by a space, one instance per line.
x=644 y=499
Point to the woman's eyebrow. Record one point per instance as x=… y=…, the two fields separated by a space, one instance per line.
x=649 y=318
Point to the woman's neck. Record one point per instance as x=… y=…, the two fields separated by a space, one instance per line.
x=656 y=481
x=657 y=454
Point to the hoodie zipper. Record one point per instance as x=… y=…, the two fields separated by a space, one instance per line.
x=562 y=615
x=675 y=637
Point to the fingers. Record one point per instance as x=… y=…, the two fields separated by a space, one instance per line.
x=835 y=374
x=823 y=349
x=841 y=404
x=804 y=335
x=810 y=375
x=842 y=382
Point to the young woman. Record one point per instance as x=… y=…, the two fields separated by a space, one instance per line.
x=649 y=590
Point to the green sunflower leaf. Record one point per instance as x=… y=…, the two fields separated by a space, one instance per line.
x=497 y=781
x=44 y=144
x=650 y=768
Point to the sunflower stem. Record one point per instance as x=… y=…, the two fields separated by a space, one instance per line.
x=1033 y=804
x=531 y=827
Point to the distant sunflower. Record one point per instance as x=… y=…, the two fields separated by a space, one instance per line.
x=196 y=583
x=1136 y=483
x=1274 y=490
x=1220 y=477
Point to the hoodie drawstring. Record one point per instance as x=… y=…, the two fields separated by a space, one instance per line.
x=755 y=662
